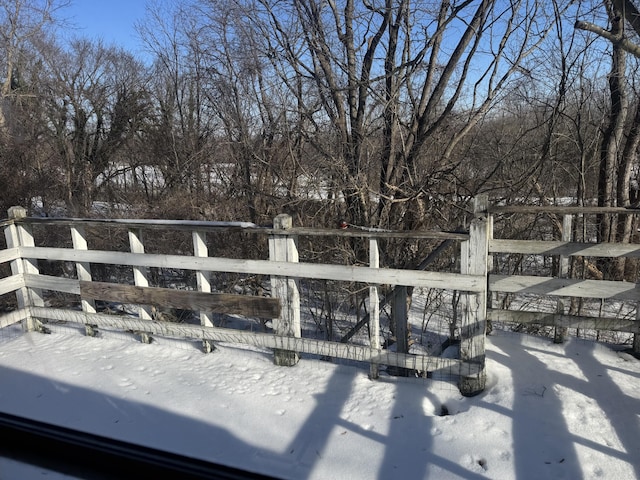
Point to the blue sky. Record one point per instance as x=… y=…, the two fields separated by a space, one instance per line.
x=110 y=20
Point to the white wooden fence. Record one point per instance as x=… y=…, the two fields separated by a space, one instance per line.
x=282 y=266
x=285 y=270
x=561 y=286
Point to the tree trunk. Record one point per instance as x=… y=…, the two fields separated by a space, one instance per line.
x=613 y=136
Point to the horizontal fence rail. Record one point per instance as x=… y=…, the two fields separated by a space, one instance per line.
x=573 y=249
x=560 y=210
x=581 y=322
x=245 y=227
x=564 y=287
x=422 y=363
x=345 y=273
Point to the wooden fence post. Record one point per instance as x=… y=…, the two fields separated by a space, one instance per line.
x=474 y=321
x=140 y=278
x=20 y=235
x=400 y=309
x=374 y=308
x=203 y=283
x=83 y=270
x=560 y=333
x=635 y=346
x=492 y=297
x=400 y=314
x=282 y=248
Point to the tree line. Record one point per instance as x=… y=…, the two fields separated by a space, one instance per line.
x=381 y=113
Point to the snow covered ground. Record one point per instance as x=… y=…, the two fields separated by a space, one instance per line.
x=549 y=411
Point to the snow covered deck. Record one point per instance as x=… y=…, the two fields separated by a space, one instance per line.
x=549 y=411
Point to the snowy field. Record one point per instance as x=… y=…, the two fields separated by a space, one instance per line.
x=549 y=411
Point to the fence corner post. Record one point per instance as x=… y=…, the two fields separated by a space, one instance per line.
x=283 y=248
x=474 y=322
x=20 y=235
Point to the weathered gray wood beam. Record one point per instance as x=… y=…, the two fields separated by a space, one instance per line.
x=565 y=321
x=423 y=363
x=247 y=305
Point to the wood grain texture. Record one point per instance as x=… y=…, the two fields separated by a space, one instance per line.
x=247 y=305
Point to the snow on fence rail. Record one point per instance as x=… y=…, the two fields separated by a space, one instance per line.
x=560 y=286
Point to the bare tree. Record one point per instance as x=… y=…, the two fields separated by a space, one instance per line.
x=399 y=86
x=21 y=21
x=23 y=24
x=618 y=153
x=95 y=103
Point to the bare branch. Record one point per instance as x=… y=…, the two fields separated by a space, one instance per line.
x=619 y=40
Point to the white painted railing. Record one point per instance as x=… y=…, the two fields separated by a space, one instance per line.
x=560 y=286
x=283 y=267
x=28 y=284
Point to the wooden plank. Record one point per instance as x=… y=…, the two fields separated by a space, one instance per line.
x=561 y=210
x=356 y=232
x=246 y=227
x=140 y=272
x=143 y=223
x=474 y=321
x=247 y=305
x=423 y=363
x=346 y=273
x=567 y=222
x=605 y=289
x=55 y=284
x=563 y=272
x=400 y=314
x=83 y=269
x=14 y=317
x=12 y=284
x=203 y=283
x=569 y=249
x=565 y=321
x=18 y=235
x=9 y=254
x=285 y=289
x=374 y=308
x=635 y=346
